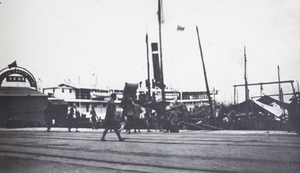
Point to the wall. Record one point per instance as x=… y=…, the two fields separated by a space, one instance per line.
x=22 y=111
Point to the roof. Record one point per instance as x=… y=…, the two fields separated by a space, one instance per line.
x=55 y=101
x=269 y=100
x=19 y=91
x=250 y=105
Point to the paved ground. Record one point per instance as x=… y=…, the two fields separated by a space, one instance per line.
x=35 y=150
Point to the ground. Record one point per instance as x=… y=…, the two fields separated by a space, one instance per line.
x=35 y=150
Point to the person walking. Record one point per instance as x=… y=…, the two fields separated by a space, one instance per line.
x=110 y=118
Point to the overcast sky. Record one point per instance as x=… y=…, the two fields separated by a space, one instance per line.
x=81 y=40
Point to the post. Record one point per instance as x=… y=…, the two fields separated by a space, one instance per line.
x=205 y=76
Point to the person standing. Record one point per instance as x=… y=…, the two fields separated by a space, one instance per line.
x=137 y=112
x=72 y=118
x=93 y=117
x=129 y=114
x=110 y=118
x=48 y=116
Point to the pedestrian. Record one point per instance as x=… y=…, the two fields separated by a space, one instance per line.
x=148 y=118
x=48 y=116
x=72 y=118
x=110 y=118
x=77 y=119
x=128 y=112
x=136 y=117
x=231 y=118
x=93 y=117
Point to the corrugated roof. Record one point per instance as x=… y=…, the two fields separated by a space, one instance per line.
x=19 y=91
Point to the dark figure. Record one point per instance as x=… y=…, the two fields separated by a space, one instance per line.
x=172 y=120
x=77 y=118
x=128 y=112
x=148 y=117
x=72 y=117
x=294 y=115
x=93 y=117
x=137 y=112
x=110 y=118
x=48 y=117
x=160 y=109
x=231 y=117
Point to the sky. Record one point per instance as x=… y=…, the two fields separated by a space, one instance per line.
x=102 y=42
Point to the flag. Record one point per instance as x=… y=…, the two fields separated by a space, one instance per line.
x=14 y=64
x=180 y=28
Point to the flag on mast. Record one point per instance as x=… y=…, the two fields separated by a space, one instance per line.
x=14 y=64
x=180 y=28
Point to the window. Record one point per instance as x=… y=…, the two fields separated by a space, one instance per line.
x=62 y=90
x=70 y=90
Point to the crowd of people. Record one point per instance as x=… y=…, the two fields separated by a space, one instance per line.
x=134 y=117
x=159 y=116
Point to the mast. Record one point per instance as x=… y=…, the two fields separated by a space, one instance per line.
x=205 y=76
x=160 y=50
x=245 y=77
x=279 y=85
x=148 y=68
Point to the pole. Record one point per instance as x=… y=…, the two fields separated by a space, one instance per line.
x=160 y=50
x=148 y=67
x=246 y=83
x=245 y=77
x=279 y=85
x=280 y=90
x=205 y=76
x=234 y=95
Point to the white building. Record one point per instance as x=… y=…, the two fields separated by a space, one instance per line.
x=84 y=97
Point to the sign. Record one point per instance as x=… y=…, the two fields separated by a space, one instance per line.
x=23 y=75
x=15 y=79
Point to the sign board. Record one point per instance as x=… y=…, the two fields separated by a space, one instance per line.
x=15 y=79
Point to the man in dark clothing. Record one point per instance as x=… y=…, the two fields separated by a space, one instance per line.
x=294 y=115
x=73 y=117
x=110 y=119
x=48 y=117
x=93 y=117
